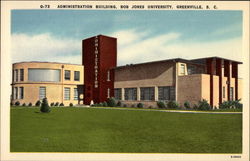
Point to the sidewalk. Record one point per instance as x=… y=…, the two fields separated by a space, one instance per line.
x=175 y=111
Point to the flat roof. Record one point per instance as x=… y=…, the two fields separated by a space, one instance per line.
x=45 y=62
x=100 y=35
x=177 y=60
x=216 y=57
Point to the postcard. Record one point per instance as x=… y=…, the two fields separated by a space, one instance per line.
x=124 y=80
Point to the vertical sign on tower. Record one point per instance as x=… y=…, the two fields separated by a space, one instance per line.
x=96 y=63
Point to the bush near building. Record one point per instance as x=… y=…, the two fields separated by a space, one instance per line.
x=204 y=105
x=17 y=103
x=52 y=104
x=105 y=104
x=172 y=104
x=187 y=105
x=140 y=105
x=57 y=104
x=61 y=104
x=111 y=102
x=231 y=104
x=30 y=104
x=38 y=103
x=119 y=104
x=45 y=106
x=71 y=105
x=161 y=104
x=24 y=104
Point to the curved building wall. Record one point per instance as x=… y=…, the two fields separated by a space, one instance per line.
x=62 y=83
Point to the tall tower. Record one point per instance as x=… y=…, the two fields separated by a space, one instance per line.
x=99 y=57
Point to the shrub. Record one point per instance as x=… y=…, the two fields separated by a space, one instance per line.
x=57 y=104
x=195 y=107
x=24 y=104
x=119 y=104
x=187 y=104
x=111 y=102
x=104 y=104
x=61 y=104
x=125 y=105
x=98 y=105
x=45 y=106
x=52 y=104
x=38 y=103
x=203 y=105
x=11 y=104
x=150 y=107
x=161 y=104
x=17 y=103
x=71 y=105
x=140 y=105
x=172 y=104
x=30 y=104
x=132 y=105
x=231 y=104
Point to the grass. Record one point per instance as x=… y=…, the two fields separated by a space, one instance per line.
x=120 y=131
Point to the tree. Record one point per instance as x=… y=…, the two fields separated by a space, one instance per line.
x=45 y=106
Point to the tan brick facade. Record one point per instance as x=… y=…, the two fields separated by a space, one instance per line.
x=188 y=86
x=54 y=90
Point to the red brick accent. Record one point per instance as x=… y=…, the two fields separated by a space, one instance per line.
x=106 y=60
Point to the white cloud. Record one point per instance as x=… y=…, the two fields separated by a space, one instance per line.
x=127 y=37
x=143 y=48
x=133 y=47
x=45 y=47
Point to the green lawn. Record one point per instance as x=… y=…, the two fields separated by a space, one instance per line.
x=108 y=130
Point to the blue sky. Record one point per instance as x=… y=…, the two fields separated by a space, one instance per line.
x=55 y=35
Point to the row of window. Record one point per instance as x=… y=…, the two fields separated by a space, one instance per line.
x=67 y=75
x=18 y=93
x=146 y=93
x=44 y=75
x=16 y=76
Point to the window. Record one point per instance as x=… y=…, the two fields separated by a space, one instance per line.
x=13 y=75
x=118 y=93
x=108 y=75
x=172 y=93
x=15 y=95
x=20 y=92
x=147 y=93
x=44 y=75
x=130 y=94
x=191 y=69
x=182 y=69
x=231 y=93
x=21 y=74
x=67 y=75
x=75 y=94
x=16 y=75
x=42 y=93
x=108 y=93
x=223 y=92
x=164 y=93
x=66 y=93
x=76 y=75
